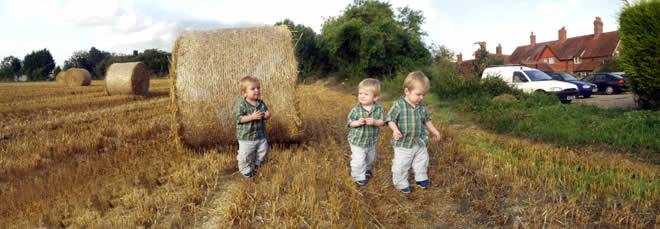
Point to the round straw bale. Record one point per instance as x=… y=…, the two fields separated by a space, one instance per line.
x=59 y=79
x=77 y=77
x=205 y=73
x=127 y=79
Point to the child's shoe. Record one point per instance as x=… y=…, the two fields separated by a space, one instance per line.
x=407 y=190
x=255 y=168
x=248 y=175
x=362 y=182
x=369 y=174
x=423 y=184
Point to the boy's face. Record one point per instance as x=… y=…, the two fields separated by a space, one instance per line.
x=415 y=95
x=252 y=91
x=366 y=96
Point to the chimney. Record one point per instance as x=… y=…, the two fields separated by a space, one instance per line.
x=532 y=39
x=498 y=50
x=562 y=34
x=460 y=58
x=135 y=52
x=598 y=26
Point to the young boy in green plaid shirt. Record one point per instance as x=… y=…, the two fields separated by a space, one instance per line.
x=365 y=120
x=410 y=122
x=251 y=114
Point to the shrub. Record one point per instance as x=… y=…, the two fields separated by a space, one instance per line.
x=639 y=31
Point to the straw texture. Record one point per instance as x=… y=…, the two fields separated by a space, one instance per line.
x=127 y=79
x=205 y=73
x=77 y=77
x=59 y=79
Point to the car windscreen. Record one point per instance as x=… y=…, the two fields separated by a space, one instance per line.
x=615 y=77
x=537 y=75
x=567 y=77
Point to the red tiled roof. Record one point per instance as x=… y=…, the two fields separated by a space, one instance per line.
x=540 y=66
x=583 y=46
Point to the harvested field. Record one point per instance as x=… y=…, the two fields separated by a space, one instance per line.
x=73 y=157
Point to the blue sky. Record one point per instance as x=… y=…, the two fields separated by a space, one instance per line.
x=66 y=26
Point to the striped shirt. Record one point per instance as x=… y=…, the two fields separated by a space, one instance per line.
x=365 y=135
x=252 y=130
x=410 y=121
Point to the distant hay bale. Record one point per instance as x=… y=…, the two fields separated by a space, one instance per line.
x=205 y=73
x=77 y=77
x=127 y=79
x=59 y=79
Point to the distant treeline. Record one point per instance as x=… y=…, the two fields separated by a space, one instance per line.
x=39 y=64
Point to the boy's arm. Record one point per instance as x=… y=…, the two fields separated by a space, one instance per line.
x=251 y=117
x=396 y=134
x=266 y=112
x=436 y=134
x=352 y=121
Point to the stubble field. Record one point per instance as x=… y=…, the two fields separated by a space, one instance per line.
x=74 y=157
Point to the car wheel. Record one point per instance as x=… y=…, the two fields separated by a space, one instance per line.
x=609 y=90
x=587 y=96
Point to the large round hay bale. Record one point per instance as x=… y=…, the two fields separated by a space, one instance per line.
x=59 y=78
x=127 y=79
x=205 y=73
x=77 y=77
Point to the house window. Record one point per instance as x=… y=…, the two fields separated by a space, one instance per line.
x=545 y=60
x=551 y=60
x=577 y=60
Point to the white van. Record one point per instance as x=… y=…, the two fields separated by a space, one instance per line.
x=531 y=80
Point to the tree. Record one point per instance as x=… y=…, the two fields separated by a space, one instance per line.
x=10 y=67
x=78 y=60
x=611 y=64
x=369 y=39
x=157 y=61
x=38 y=64
x=639 y=28
x=310 y=49
x=94 y=59
x=57 y=70
x=441 y=53
x=481 y=60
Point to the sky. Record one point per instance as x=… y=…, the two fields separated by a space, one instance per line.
x=121 y=26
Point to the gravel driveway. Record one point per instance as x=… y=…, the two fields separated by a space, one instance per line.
x=623 y=101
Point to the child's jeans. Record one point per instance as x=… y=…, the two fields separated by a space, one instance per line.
x=361 y=159
x=246 y=154
x=404 y=158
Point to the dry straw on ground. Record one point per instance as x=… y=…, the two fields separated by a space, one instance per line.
x=205 y=73
x=127 y=79
x=77 y=77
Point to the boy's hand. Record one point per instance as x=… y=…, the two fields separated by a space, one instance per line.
x=369 y=121
x=362 y=121
x=437 y=137
x=257 y=115
x=266 y=115
x=396 y=134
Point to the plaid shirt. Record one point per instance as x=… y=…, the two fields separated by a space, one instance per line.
x=365 y=135
x=252 y=130
x=410 y=121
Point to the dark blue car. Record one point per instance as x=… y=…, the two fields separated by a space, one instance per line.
x=585 y=89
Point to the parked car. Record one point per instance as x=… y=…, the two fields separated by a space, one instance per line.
x=585 y=89
x=607 y=82
x=531 y=80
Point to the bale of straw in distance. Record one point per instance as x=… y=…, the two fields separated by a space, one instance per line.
x=127 y=79
x=77 y=77
x=205 y=73
x=59 y=79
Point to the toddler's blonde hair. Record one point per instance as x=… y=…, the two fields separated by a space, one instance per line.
x=416 y=80
x=246 y=81
x=371 y=84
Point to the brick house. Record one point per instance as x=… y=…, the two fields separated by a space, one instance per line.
x=579 y=55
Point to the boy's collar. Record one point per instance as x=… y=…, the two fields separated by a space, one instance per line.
x=407 y=103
